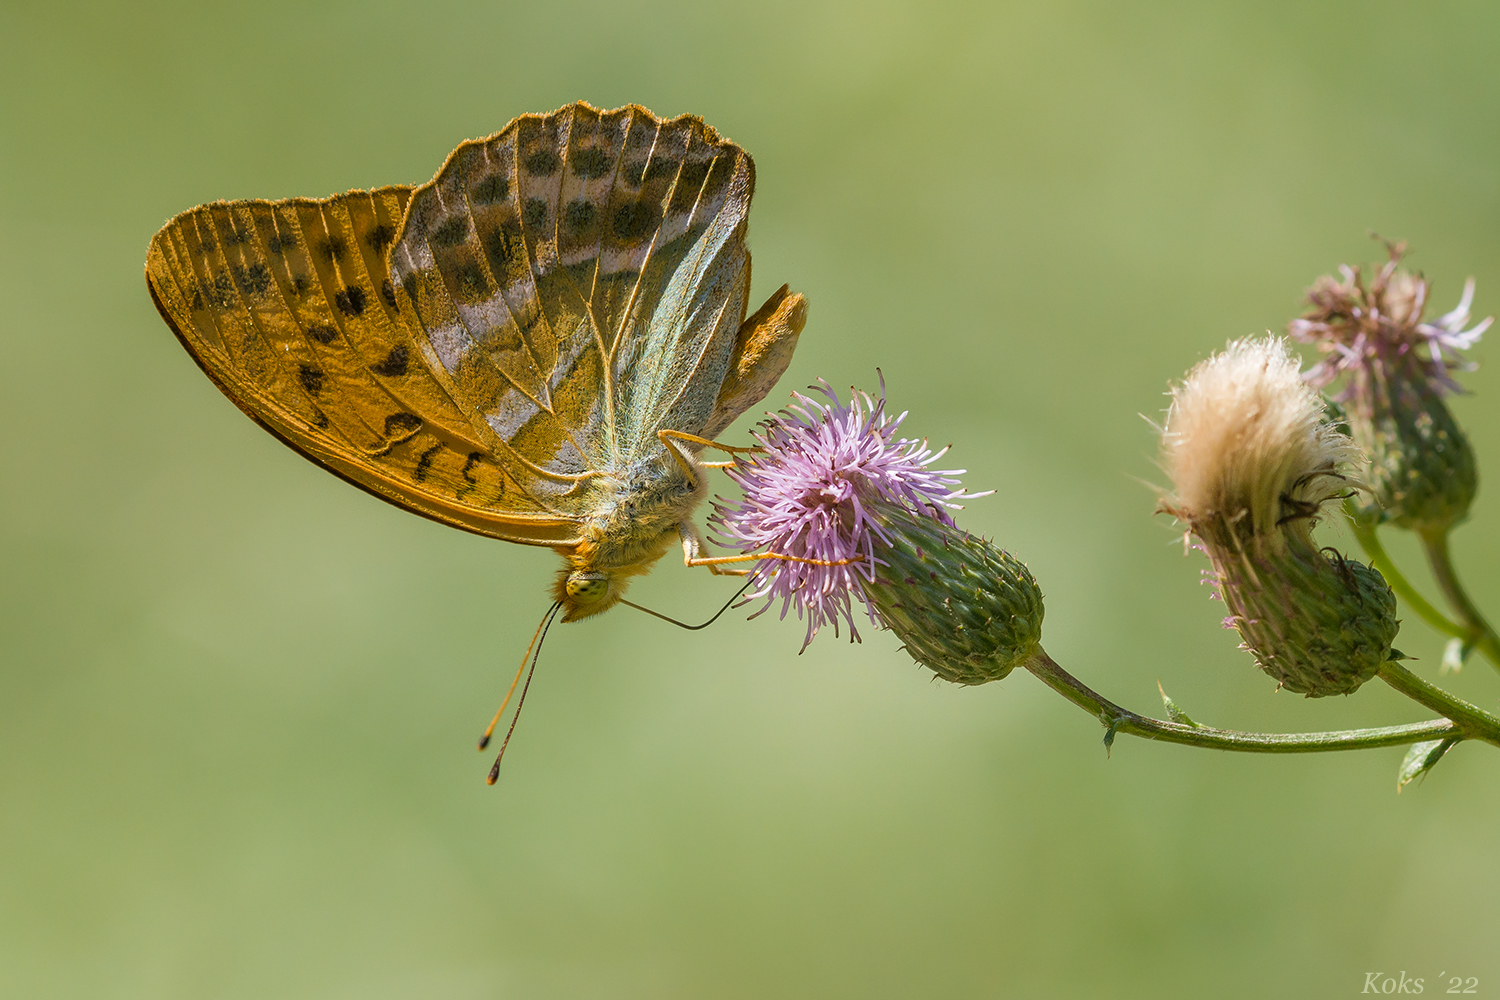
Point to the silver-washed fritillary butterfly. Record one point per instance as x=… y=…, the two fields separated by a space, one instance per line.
x=535 y=345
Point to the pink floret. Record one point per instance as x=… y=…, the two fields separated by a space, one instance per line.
x=809 y=492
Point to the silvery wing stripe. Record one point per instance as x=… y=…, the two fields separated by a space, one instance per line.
x=450 y=341
x=511 y=413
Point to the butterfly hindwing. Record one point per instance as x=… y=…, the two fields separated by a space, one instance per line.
x=289 y=309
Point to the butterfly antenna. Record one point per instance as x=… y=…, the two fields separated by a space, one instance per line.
x=494 y=774
x=692 y=628
x=489 y=730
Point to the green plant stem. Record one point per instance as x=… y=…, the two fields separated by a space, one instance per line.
x=1478 y=633
x=1370 y=542
x=1121 y=720
x=1472 y=720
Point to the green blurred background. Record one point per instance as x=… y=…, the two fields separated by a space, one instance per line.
x=238 y=698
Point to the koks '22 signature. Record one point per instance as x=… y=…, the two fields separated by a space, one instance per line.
x=1380 y=982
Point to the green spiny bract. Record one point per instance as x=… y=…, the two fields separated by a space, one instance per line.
x=1422 y=475
x=966 y=610
x=1315 y=621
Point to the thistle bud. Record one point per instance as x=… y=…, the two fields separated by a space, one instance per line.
x=966 y=610
x=1423 y=474
x=1253 y=460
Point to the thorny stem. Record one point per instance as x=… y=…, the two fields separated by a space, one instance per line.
x=1478 y=632
x=1121 y=720
x=1472 y=720
x=1369 y=540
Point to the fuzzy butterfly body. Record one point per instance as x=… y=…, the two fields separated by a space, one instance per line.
x=533 y=346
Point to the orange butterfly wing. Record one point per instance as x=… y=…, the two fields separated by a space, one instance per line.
x=288 y=308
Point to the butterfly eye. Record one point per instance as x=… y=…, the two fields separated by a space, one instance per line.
x=586 y=588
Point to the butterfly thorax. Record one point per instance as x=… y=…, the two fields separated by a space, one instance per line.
x=635 y=516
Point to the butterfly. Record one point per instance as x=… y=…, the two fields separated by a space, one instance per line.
x=536 y=345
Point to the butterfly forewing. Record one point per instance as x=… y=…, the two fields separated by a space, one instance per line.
x=580 y=277
x=288 y=308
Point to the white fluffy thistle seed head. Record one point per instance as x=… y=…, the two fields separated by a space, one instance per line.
x=1253 y=458
x=1246 y=443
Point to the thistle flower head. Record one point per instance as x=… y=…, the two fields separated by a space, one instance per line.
x=810 y=493
x=1253 y=459
x=832 y=482
x=1247 y=446
x=1423 y=473
x=1379 y=326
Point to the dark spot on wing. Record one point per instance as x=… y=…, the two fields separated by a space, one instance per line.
x=332 y=248
x=323 y=333
x=382 y=236
x=399 y=428
x=635 y=220
x=542 y=163
x=662 y=168
x=351 y=301
x=468 y=473
x=493 y=189
x=311 y=379
x=579 y=215
x=470 y=283
x=504 y=248
x=535 y=214
x=689 y=184
x=235 y=237
x=424 y=462
x=451 y=232
x=388 y=293
x=280 y=243
x=321 y=423
x=222 y=292
x=300 y=284
x=632 y=173
x=394 y=365
x=253 y=279
x=589 y=163
x=402 y=423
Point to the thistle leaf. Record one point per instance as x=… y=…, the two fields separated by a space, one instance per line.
x=1421 y=758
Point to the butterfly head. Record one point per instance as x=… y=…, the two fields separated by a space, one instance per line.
x=584 y=589
x=585 y=592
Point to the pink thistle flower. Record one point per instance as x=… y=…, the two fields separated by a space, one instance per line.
x=815 y=491
x=1423 y=471
x=1380 y=327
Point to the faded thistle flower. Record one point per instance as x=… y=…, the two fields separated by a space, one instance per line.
x=832 y=482
x=1423 y=474
x=1252 y=461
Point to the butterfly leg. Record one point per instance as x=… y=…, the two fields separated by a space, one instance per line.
x=693 y=547
x=671 y=438
x=762 y=350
